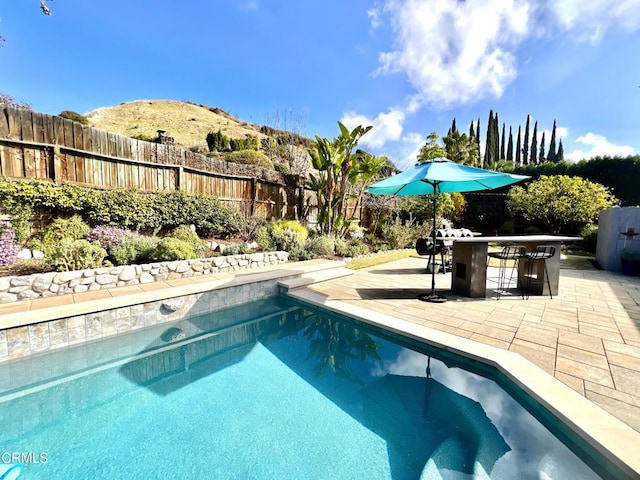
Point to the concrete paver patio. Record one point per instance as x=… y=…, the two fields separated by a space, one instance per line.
x=588 y=336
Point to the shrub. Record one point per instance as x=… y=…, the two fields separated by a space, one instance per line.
x=239 y=144
x=264 y=239
x=217 y=141
x=76 y=255
x=287 y=240
x=352 y=249
x=250 y=157
x=280 y=225
x=184 y=233
x=74 y=116
x=248 y=225
x=133 y=249
x=49 y=238
x=107 y=236
x=589 y=236
x=301 y=254
x=173 y=249
x=323 y=245
x=397 y=234
x=8 y=247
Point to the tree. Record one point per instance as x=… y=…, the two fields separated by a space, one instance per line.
x=453 y=128
x=496 y=140
x=541 y=157
x=432 y=149
x=489 y=147
x=363 y=174
x=461 y=149
x=502 y=142
x=560 y=154
x=560 y=201
x=334 y=161
x=510 y=146
x=525 y=146
x=518 y=150
x=534 y=145
x=551 y=156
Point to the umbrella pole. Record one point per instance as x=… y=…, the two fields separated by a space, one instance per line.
x=433 y=298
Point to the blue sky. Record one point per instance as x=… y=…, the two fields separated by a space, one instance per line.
x=405 y=67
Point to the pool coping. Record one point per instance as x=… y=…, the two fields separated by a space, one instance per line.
x=613 y=439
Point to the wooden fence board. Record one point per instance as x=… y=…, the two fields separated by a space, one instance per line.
x=4 y=123
x=13 y=123
x=48 y=134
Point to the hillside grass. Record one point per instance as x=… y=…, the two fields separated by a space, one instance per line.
x=186 y=122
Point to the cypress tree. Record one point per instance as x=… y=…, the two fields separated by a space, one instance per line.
x=551 y=156
x=518 y=149
x=472 y=131
x=541 y=157
x=525 y=146
x=489 y=149
x=502 y=142
x=479 y=158
x=560 y=154
x=454 y=129
x=496 y=137
x=534 y=145
x=510 y=146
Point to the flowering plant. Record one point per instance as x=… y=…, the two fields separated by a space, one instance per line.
x=8 y=247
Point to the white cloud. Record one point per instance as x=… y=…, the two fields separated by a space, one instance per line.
x=374 y=16
x=386 y=127
x=455 y=52
x=591 y=20
x=407 y=154
x=597 y=146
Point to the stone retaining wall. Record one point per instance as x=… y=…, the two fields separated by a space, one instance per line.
x=28 y=287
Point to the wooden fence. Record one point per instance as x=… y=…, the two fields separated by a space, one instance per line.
x=44 y=147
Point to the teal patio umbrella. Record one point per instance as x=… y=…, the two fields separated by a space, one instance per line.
x=441 y=175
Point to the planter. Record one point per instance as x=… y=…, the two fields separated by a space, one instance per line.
x=630 y=267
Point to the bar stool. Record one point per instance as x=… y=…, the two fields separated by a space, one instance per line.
x=539 y=252
x=509 y=253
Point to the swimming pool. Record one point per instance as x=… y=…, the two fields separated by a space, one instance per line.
x=272 y=389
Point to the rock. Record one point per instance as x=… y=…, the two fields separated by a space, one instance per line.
x=37 y=254
x=24 y=254
x=8 y=298
x=4 y=284
x=127 y=273
x=146 y=277
x=106 y=279
x=65 y=277
x=173 y=305
x=41 y=283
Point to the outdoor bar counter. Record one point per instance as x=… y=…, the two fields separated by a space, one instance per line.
x=469 y=259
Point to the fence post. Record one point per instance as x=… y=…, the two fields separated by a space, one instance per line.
x=56 y=171
x=180 y=180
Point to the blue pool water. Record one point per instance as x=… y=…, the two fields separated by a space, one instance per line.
x=269 y=390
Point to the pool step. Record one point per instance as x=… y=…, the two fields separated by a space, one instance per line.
x=313 y=277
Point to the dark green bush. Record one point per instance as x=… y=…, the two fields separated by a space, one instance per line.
x=71 y=255
x=74 y=116
x=239 y=144
x=250 y=157
x=301 y=254
x=589 y=236
x=218 y=142
x=173 y=249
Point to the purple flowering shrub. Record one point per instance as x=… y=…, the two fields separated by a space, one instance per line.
x=8 y=247
x=108 y=235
